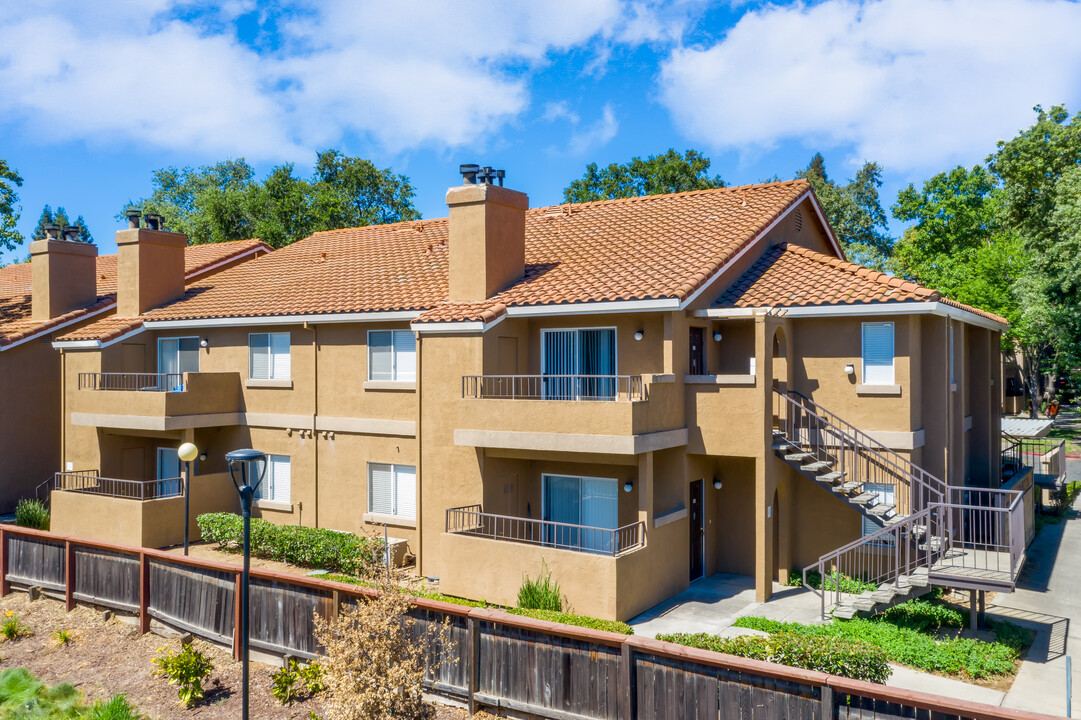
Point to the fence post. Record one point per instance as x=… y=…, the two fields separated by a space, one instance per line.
x=827 y=703
x=5 y=586
x=474 y=662
x=69 y=575
x=628 y=683
x=236 y=617
x=144 y=593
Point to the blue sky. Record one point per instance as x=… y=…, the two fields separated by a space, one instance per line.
x=95 y=96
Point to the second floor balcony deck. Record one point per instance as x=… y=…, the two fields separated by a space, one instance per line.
x=155 y=401
x=629 y=388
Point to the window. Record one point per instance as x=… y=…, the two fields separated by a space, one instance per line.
x=579 y=364
x=887 y=495
x=878 y=353
x=268 y=356
x=392 y=355
x=582 y=511
x=176 y=356
x=276 y=482
x=392 y=490
x=169 y=470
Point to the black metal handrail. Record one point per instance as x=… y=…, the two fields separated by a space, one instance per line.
x=555 y=387
x=155 y=382
x=472 y=520
x=91 y=483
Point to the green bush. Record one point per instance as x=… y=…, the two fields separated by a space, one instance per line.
x=540 y=593
x=837 y=656
x=571 y=619
x=922 y=616
x=958 y=656
x=32 y=514
x=304 y=546
x=187 y=670
x=814 y=579
x=23 y=697
x=296 y=682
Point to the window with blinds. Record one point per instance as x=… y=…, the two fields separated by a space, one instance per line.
x=392 y=355
x=277 y=483
x=392 y=490
x=878 y=353
x=268 y=356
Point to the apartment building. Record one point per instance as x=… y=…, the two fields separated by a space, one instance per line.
x=66 y=284
x=632 y=394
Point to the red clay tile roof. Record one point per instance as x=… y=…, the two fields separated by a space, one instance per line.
x=794 y=276
x=15 y=287
x=658 y=246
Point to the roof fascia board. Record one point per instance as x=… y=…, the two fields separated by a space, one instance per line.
x=901 y=308
x=53 y=328
x=594 y=308
x=387 y=316
x=95 y=344
x=753 y=243
x=450 y=328
x=826 y=226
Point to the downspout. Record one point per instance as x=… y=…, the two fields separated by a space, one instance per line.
x=63 y=407
x=315 y=412
x=949 y=403
x=420 y=459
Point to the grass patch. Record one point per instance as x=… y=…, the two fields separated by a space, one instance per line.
x=814 y=579
x=549 y=615
x=32 y=514
x=847 y=657
x=1073 y=444
x=962 y=657
x=22 y=697
x=540 y=593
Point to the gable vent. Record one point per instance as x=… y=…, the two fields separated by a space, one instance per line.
x=798 y=217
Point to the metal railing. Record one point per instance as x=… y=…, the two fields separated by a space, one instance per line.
x=157 y=382
x=89 y=482
x=471 y=520
x=555 y=387
x=856 y=454
x=1046 y=457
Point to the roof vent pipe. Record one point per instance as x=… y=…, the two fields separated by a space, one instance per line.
x=133 y=215
x=52 y=231
x=153 y=221
x=469 y=173
x=71 y=233
x=473 y=174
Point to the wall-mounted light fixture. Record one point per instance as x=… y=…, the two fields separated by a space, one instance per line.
x=202 y=457
x=717 y=484
x=203 y=343
x=850 y=369
x=717 y=336
x=638 y=334
x=628 y=486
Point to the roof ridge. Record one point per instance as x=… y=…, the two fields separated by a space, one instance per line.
x=862 y=271
x=685 y=193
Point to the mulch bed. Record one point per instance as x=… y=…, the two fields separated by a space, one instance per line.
x=110 y=657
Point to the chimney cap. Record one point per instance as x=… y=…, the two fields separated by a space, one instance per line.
x=469 y=173
x=133 y=214
x=71 y=231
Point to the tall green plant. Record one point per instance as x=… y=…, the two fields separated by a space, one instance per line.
x=32 y=514
x=540 y=593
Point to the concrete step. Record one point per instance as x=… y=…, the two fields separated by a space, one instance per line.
x=900 y=589
x=865 y=498
x=798 y=456
x=783 y=445
x=916 y=580
x=881 y=510
x=895 y=519
x=865 y=602
x=935 y=543
x=851 y=486
x=844 y=612
x=814 y=467
x=883 y=596
x=831 y=476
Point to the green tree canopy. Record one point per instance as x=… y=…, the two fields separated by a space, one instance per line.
x=225 y=201
x=854 y=211
x=9 y=210
x=656 y=175
x=60 y=217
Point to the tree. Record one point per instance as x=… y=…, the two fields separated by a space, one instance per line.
x=224 y=201
x=61 y=218
x=656 y=175
x=9 y=211
x=854 y=211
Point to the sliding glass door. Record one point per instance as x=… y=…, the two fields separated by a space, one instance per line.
x=176 y=356
x=586 y=508
x=579 y=364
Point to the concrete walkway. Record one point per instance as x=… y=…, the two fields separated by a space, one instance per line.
x=1048 y=599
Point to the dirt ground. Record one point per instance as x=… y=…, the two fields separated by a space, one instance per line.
x=110 y=657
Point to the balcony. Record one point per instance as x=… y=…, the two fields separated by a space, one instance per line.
x=1046 y=457
x=156 y=401
x=90 y=483
x=616 y=414
x=471 y=520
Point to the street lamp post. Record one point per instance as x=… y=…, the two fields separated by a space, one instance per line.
x=243 y=465
x=187 y=452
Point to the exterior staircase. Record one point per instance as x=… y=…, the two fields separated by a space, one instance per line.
x=924 y=532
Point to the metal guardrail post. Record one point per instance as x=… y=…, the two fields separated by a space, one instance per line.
x=69 y=576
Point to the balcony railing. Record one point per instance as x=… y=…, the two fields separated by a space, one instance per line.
x=155 y=382
x=89 y=482
x=555 y=387
x=1046 y=457
x=470 y=520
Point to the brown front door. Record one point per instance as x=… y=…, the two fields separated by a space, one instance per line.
x=698 y=352
x=698 y=531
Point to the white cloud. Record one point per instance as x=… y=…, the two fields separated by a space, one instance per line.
x=559 y=111
x=597 y=134
x=172 y=74
x=913 y=84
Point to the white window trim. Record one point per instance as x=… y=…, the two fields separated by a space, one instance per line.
x=178 y=338
x=272 y=502
x=863 y=360
x=393 y=356
x=392 y=518
x=277 y=382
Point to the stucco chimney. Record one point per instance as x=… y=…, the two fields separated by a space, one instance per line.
x=63 y=275
x=150 y=268
x=487 y=240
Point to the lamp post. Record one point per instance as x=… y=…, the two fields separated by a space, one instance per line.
x=243 y=466
x=187 y=452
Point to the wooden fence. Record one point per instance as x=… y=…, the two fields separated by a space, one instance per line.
x=492 y=659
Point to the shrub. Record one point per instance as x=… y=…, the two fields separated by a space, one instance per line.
x=836 y=656
x=376 y=658
x=13 y=628
x=540 y=593
x=117 y=708
x=187 y=670
x=32 y=514
x=296 y=681
x=922 y=616
x=579 y=620
x=958 y=656
x=22 y=696
x=814 y=579
x=62 y=636
x=305 y=546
